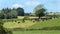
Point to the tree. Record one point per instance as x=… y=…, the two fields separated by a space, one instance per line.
x=6 y=10
x=2 y=29
x=20 y=11
x=8 y=13
x=40 y=11
x=4 y=13
x=13 y=14
x=1 y=15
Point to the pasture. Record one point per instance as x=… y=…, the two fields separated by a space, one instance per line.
x=49 y=23
x=37 y=32
x=13 y=24
x=37 y=25
x=18 y=25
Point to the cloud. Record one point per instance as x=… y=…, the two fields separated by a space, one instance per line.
x=32 y=3
x=17 y=5
x=26 y=4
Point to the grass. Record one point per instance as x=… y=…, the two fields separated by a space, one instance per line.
x=37 y=32
x=48 y=23
x=18 y=25
x=21 y=17
x=30 y=25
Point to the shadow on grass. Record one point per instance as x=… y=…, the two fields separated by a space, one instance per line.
x=51 y=28
x=32 y=29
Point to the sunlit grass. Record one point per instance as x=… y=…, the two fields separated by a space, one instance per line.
x=18 y=25
x=48 y=23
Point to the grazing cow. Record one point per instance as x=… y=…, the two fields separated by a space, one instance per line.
x=23 y=20
x=35 y=19
x=18 y=22
x=45 y=18
x=15 y=21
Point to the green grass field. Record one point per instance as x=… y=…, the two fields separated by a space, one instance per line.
x=18 y=25
x=37 y=32
x=48 y=23
x=30 y=25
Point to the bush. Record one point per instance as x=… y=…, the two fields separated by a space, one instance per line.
x=3 y=30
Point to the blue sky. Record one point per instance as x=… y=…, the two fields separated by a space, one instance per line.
x=29 y=5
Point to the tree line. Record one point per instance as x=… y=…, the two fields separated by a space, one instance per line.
x=8 y=13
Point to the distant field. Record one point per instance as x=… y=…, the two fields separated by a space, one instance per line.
x=21 y=17
x=20 y=25
x=41 y=24
x=38 y=25
x=37 y=32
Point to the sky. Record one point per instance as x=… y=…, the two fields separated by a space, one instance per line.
x=29 y=5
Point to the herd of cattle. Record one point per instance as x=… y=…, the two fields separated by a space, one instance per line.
x=35 y=19
x=31 y=19
x=38 y=19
